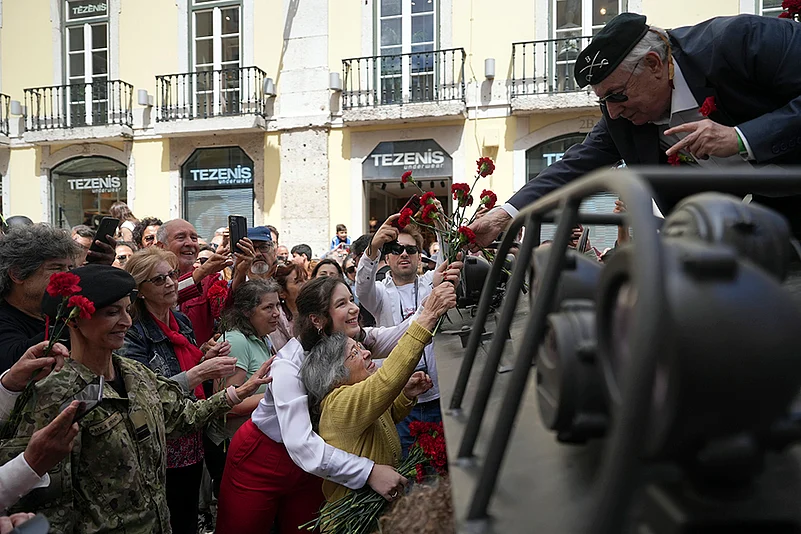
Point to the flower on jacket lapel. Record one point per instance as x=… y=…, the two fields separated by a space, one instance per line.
x=708 y=107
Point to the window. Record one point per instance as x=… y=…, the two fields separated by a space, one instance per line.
x=83 y=189
x=545 y=154
x=87 y=61
x=407 y=27
x=770 y=8
x=217 y=182
x=216 y=35
x=573 y=19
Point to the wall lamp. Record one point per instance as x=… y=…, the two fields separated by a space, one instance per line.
x=268 y=87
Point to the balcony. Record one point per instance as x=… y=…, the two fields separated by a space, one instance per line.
x=101 y=110
x=542 y=76
x=418 y=85
x=211 y=100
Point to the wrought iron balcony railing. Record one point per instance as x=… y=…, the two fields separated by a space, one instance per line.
x=5 y=104
x=433 y=76
x=98 y=103
x=210 y=93
x=546 y=67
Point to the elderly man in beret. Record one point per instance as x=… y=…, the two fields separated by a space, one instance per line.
x=723 y=92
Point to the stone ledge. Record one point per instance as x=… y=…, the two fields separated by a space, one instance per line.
x=418 y=111
x=554 y=102
x=108 y=132
x=229 y=124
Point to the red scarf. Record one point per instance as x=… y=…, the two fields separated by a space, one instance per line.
x=188 y=354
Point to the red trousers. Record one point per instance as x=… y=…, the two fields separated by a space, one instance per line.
x=261 y=485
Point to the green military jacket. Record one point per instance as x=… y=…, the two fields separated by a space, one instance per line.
x=114 y=480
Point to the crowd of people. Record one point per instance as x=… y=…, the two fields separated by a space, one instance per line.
x=263 y=379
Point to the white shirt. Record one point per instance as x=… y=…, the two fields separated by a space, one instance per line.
x=383 y=300
x=17 y=478
x=283 y=413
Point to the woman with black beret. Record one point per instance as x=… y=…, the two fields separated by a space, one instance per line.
x=114 y=480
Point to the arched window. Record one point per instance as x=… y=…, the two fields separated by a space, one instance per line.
x=84 y=188
x=545 y=154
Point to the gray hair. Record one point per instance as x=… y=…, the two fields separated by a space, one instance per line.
x=323 y=370
x=652 y=42
x=83 y=231
x=161 y=233
x=247 y=298
x=25 y=248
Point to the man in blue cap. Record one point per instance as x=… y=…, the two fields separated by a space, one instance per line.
x=725 y=92
x=264 y=249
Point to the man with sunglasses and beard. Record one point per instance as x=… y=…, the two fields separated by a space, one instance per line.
x=725 y=92
x=397 y=296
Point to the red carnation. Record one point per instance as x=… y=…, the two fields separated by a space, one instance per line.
x=405 y=218
x=421 y=473
x=429 y=213
x=785 y=15
x=217 y=295
x=83 y=305
x=488 y=198
x=407 y=176
x=674 y=160
x=459 y=190
x=466 y=234
x=428 y=198
x=63 y=285
x=793 y=6
x=709 y=106
x=485 y=167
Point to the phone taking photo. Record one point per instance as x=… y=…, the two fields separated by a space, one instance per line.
x=107 y=228
x=89 y=397
x=237 y=229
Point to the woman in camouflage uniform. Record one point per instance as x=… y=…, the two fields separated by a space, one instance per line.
x=114 y=479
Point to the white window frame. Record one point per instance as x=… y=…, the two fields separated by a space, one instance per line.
x=88 y=24
x=768 y=11
x=216 y=7
x=406 y=17
x=587 y=28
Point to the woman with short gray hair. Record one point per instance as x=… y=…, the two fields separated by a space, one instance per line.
x=354 y=404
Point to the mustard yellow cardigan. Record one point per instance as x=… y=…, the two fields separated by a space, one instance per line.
x=361 y=418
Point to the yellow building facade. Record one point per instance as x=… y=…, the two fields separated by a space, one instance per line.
x=297 y=113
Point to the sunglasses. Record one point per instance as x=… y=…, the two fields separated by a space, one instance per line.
x=122 y=258
x=397 y=248
x=350 y=270
x=161 y=279
x=620 y=97
x=149 y=238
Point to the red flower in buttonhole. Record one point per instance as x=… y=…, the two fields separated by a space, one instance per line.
x=430 y=214
x=428 y=198
x=406 y=177
x=785 y=15
x=82 y=307
x=63 y=285
x=674 y=160
x=708 y=107
x=485 y=167
x=793 y=6
x=488 y=199
x=466 y=235
x=405 y=218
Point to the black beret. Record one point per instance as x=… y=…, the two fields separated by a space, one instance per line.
x=609 y=48
x=102 y=284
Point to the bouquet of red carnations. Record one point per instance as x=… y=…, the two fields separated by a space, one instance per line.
x=358 y=511
x=453 y=231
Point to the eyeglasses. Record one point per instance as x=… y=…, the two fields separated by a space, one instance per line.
x=356 y=352
x=264 y=247
x=122 y=258
x=397 y=248
x=620 y=97
x=149 y=238
x=161 y=279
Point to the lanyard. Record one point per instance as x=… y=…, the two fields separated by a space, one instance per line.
x=404 y=317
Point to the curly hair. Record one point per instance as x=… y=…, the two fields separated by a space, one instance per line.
x=247 y=298
x=25 y=248
x=139 y=230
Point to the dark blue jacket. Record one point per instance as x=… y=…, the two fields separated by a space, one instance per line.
x=748 y=63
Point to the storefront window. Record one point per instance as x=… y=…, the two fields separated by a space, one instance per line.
x=218 y=182
x=83 y=189
x=545 y=154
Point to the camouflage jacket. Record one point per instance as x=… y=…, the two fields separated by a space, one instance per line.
x=114 y=480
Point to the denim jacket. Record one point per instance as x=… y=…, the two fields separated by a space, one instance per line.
x=147 y=344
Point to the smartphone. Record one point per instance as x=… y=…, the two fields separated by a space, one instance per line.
x=107 y=228
x=237 y=229
x=413 y=204
x=38 y=524
x=90 y=398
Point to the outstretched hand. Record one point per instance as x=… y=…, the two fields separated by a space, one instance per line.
x=705 y=138
x=488 y=227
x=32 y=366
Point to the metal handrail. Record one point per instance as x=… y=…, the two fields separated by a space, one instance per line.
x=546 y=66
x=433 y=76
x=617 y=477
x=211 y=93
x=5 y=106
x=78 y=104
